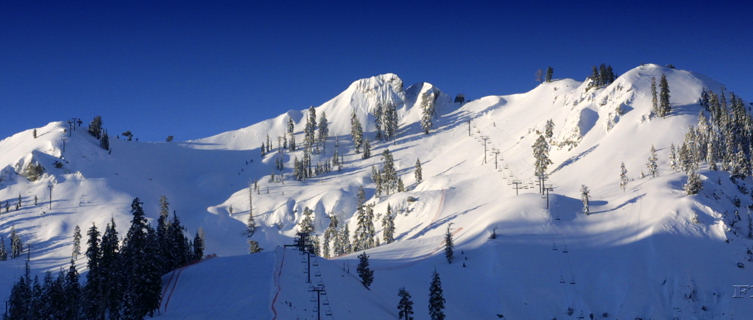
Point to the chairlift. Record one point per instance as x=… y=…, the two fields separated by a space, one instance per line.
x=572 y=280
x=565 y=249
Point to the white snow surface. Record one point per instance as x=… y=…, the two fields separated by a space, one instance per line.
x=639 y=254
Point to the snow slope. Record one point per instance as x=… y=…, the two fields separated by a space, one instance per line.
x=638 y=255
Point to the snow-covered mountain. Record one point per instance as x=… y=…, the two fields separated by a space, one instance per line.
x=650 y=251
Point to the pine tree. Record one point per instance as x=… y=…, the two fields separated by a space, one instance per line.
x=694 y=183
x=35 y=133
x=448 y=246
x=19 y=302
x=16 y=245
x=378 y=111
x=3 y=251
x=95 y=127
x=307 y=223
x=364 y=272
x=330 y=234
x=366 y=149
x=388 y=226
x=110 y=272
x=417 y=172
x=653 y=168
x=93 y=307
x=141 y=266
x=673 y=163
x=253 y=245
x=390 y=121
x=76 y=242
x=584 y=196
x=310 y=130
x=198 y=245
x=389 y=173
x=405 y=306
x=436 y=298
x=549 y=73
x=364 y=234
x=323 y=130
x=549 y=129
x=664 y=107
x=400 y=185
x=104 y=141
x=356 y=131
x=72 y=293
x=623 y=177
x=654 y=99
x=428 y=111
x=541 y=154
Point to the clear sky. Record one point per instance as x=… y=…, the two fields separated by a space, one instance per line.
x=193 y=69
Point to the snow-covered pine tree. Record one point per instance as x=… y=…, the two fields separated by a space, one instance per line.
x=330 y=234
x=253 y=245
x=389 y=173
x=549 y=129
x=388 y=226
x=584 y=196
x=16 y=245
x=673 y=163
x=309 y=131
x=541 y=154
x=307 y=223
x=436 y=298
x=364 y=272
x=694 y=183
x=623 y=177
x=390 y=121
x=664 y=106
x=76 y=242
x=356 y=131
x=400 y=185
x=653 y=168
x=740 y=166
x=448 y=245
x=323 y=130
x=654 y=99
x=405 y=305
x=427 y=111
x=378 y=111
x=417 y=173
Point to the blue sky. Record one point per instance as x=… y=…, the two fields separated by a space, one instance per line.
x=193 y=69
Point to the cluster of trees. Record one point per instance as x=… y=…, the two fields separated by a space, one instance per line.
x=386 y=178
x=723 y=140
x=660 y=105
x=602 y=76
x=124 y=279
x=386 y=120
x=97 y=131
x=16 y=246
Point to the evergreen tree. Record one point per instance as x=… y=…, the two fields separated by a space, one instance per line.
x=654 y=99
x=364 y=272
x=16 y=245
x=76 y=242
x=356 y=131
x=72 y=293
x=694 y=183
x=400 y=185
x=436 y=298
x=330 y=234
x=378 y=111
x=104 y=141
x=364 y=234
x=448 y=246
x=3 y=250
x=653 y=168
x=307 y=223
x=428 y=111
x=664 y=107
x=417 y=172
x=388 y=226
x=389 y=173
x=141 y=293
x=595 y=77
x=347 y=246
x=549 y=73
x=93 y=307
x=549 y=129
x=198 y=245
x=405 y=306
x=19 y=302
x=310 y=130
x=740 y=165
x=673 y=163
x=323 y=130
x=390 y=121
x=584 y=195
x=366 y=149
x=623 y=177
x=541 y=154
x=95 y=127
x=110 y=271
